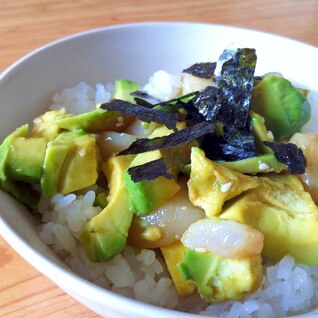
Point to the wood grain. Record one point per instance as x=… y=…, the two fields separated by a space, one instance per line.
x=28 y=24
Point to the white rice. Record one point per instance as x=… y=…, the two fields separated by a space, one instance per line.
x=82 y=98
x=288 y=287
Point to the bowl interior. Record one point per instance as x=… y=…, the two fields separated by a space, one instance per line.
x=133 y=52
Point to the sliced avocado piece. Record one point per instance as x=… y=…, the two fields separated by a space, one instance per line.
x=146 y=196
x=173 y=255
x=284 y=213
x=99 y=119
x=123 y=89
x=70 y=163
x=260 y=132
x=44 y=125
x=5 y=148
x=25 y=159
x=254 y=165
x=219 y=279
x=95 y=121
x=210 y=184
x=19 y=190
x=284 y=108
x=106 y=234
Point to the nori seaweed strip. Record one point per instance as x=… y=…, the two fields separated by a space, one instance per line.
x=201 y=70
x=182 y=136
x=234 y=75
x=144 y=99
x=143 y=113
x=239 y=142
x=183 y=98
x=150 y=171
x=289 y=154
x=235 y=144
x=205 y=103
x=143 y=102
x=235 y=83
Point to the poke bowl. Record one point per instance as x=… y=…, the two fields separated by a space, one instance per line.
x=92 y=122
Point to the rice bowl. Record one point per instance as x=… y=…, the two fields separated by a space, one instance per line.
x=145 y=258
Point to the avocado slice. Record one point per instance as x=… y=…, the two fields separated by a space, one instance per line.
x=284 y=213
x=260 y=132
x=211 y=185
x=218 y=278
x=283 y=106
x=70 y=163
x=44 y=125
x=254 y=165
x=25 y=159
x=99 y=119
x=106 y=234
x=124 y=88
x=19 y=190
x=146 y=196
x=173 y=255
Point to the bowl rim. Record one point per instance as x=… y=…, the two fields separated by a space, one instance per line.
x=42 y=262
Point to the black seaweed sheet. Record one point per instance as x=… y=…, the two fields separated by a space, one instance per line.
x=143 y=113
x=201 y=70
x=204 y=103
x=235 y=83
x=182 y=136
x=150 y=171
x=289 y=154
x=144 y=99
x=231 y=106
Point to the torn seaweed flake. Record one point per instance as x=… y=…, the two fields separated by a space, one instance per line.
x=144 y=96
x=289 y=154
x=234 y=144
x=235 y=83
x=201 y=70
x=239 y=143
x=150 y=171
x=182 y=136
x=143 y=113
x=205 y=103
x=143 y=102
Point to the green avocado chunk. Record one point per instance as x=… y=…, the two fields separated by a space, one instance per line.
x=284 y=107
x=70 y=163
x=285 y=214
x=261 y=133
x=44 y=125
x=106 y=234
x=254 y=165
x=148 y=195
x=20 y=190
x=25 y=159
x=220 y=279
x=123 y=89
x=99 y=120
x=95 y=121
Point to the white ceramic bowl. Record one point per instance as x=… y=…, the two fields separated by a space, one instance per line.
x=132 y=51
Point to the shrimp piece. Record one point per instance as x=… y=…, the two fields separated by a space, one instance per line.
x=110 y=142
x=167 y=224
x=226 y=238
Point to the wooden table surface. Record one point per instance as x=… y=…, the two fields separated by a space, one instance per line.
x=28 y=24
